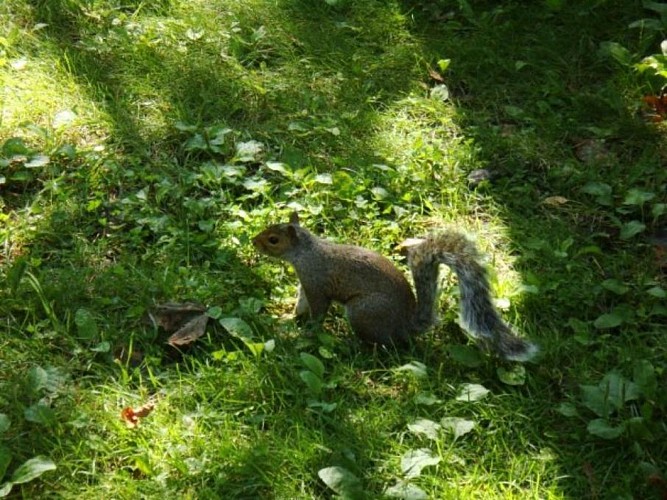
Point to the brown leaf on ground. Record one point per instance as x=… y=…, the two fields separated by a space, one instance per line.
x=171 y=315
x=555 y=200
x=657 y=105
x=435 y=75
x=131 y=416
x=190 y=332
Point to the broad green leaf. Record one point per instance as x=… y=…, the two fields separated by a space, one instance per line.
x=256 y=348
x=637 y=197
x=341 y=481
x=405 y=491
x=184 y=127
x=214 y=312
x=38 y=161
x=256 y=184
x=618 y=389
x=248 y=151
x=324 y=179
x=196 y=143
x=426 y=399
x=424 y=426
x=609 y=320
x=457 y=426
x=5 y=459
x=276 y=166
x=417 y=368
x=5 y=489
x=323 y=406
x=5 y=424
x=313 y=382
x=37 y=379
x=658 y=210
x=39 y=413
x=567 y=410
x=238 y=328
x=14 y=146
x=313 y=364
x=603 y=429
x=513 y=376
x=616 y=286
x=658 y=7
x=270 y=345
x=104 y=346
x=32 y=469
x=465 y=355
x=631 y=229
x=637 y=427
x=443 y=64
x=595 y=400
x=600 y=190
x=617 y=52
x=55 y=379
x=414 y=461
x=85 y=324
x=472 y=392
x=217 y=135
x=657 y=291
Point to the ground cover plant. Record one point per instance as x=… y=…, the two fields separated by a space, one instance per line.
x=142 y=145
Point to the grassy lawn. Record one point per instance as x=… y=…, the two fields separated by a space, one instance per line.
x=143 y=144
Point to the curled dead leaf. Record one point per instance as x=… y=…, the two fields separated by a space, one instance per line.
x=189 y=332
x=435 y=75
x=172 y=315
x=657 y=105
x=131 y=416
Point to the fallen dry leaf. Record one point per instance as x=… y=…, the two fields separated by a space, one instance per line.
x=435 y=75
x=657 y=105
x=131 y=416
x=555 y=200
x=171 y=316
x=190 y=332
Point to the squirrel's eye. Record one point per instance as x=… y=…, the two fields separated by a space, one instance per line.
x=273 y=240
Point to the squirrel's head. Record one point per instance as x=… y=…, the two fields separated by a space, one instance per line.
x=279 y=239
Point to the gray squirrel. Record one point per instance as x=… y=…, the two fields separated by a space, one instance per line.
x=378 y=299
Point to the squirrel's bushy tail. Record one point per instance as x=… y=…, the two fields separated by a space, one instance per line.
x=478 y=315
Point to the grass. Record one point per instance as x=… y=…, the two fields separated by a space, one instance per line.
x=124 y=185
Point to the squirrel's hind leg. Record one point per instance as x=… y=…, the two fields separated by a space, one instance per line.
x=312 y=307
x=375 y=320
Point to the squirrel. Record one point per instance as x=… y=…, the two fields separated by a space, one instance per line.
x=378 y=299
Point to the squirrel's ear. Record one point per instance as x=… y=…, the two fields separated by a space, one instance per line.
x=291 y=233
x=294 y=218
